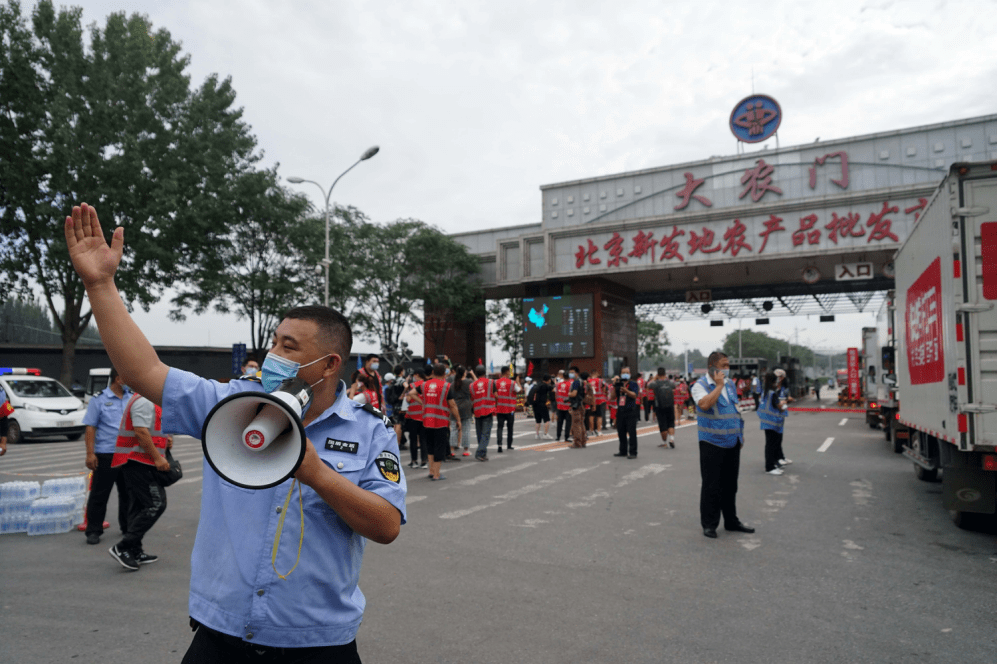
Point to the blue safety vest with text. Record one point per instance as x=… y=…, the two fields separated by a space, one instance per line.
x=771 y=418
x=722 y=424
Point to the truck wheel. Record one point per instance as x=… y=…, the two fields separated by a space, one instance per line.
x=888 y=432
x=924 y=474
x=13 y=432
x=898 y=447
x=970 y=520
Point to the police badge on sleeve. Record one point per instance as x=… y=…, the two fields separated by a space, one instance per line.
x=388 y=464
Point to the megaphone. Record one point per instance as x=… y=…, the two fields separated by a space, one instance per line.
x=256 y=440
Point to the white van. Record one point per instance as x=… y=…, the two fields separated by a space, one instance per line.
x=43 y=407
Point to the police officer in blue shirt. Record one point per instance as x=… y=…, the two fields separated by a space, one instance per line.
x=102 y=421
x=721 y=436
x=243 y=602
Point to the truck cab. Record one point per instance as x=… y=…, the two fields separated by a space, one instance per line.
x=97 y=381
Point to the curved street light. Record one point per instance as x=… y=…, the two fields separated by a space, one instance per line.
x=368 y=153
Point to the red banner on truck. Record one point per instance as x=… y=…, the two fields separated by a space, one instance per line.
x=854 y=389
x=925 y=358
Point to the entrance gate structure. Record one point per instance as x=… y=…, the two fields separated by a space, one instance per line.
x=799 y=229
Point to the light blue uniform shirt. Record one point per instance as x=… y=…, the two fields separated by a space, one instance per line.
x=233 y=587
x=104 y=413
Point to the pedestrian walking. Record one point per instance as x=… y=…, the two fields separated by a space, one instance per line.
x=437 y=406
x=681 y=396
x=784 y=401
x=627 y=396
x=541 y=396
x=561 y=390
x=102 y=420
x=460 y=436
x=139 y=453
x=663 y=390
x=721 y=436
x=6 y=410
x=576 y=398
x=756 y=389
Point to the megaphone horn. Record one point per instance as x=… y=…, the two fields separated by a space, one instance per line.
x=255 y=440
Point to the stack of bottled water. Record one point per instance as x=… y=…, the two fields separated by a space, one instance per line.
x=53 y=507
x=15 y=505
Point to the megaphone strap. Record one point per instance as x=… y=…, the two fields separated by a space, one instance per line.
x=280 y=529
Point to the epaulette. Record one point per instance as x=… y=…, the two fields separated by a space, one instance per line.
x=376 y=413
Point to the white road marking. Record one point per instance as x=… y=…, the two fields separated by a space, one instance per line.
x=414 y=499
x=842 y=422
x=641 y=473
x=188 y=480
x=862 y=492
x=504 y=471
x=530 y=523
x=852 y=545
x=750 y=543
x=827 y=444
x=517 y=493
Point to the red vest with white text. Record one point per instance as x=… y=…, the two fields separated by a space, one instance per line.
x=561 y=394
x=127 y=446
x=435 y=413
x=505 y=396
x=482 y=397
x=414 y=411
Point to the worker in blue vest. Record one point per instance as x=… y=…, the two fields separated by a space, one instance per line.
x=721 y=436
x=772 y=415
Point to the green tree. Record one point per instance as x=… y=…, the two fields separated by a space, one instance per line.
x=28 y=322
x=505 y=317
x=114 y=123
x=264 y=266
x=760 y=344
x=652 y=339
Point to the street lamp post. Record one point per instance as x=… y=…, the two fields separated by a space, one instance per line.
x=328 y=194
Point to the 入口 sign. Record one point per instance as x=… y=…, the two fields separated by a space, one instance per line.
x=853 y=271
x=704 y=295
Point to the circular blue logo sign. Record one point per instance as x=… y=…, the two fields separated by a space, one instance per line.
x=755 y=118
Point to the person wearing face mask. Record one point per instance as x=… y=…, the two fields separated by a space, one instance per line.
x=627 y=394
x=351 y=487
x=370 y=369
x=563 y=408
x=721 y=436
x=250 y=370
x=772 y=416
x=576 y=394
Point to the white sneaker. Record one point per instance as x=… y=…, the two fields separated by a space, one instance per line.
x=784 y=462
x=775 y=471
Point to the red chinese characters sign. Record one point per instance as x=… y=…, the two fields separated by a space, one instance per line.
x=854 y=389
x=925 y=354
x=873 y=224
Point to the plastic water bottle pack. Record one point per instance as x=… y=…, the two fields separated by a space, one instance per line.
x=42 y=509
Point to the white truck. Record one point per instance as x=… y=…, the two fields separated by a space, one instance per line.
x=946 y=352
x=870 y=374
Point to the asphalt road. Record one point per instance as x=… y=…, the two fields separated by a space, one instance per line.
x=558 y=555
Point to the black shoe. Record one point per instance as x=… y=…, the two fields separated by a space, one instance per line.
x=145 y=559
x=500 y=449
x=740 y=528
x=710 y=532
x=481 y=457
x=672 y=445
x=619 y=454
x=631 y=456
x=125 y=558
x=510 y=447
x=93 y=538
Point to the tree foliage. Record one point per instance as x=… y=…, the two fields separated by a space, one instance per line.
x=652 y=339
x=760 y=344
x=265 y=264
x=505 y=317
x=113 y=122
x=28 y=322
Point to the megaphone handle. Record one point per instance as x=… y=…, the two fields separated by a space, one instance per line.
x=280 y=529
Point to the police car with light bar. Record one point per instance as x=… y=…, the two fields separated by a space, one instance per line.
x=42 y=406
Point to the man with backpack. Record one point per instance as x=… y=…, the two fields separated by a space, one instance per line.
x=664 y=406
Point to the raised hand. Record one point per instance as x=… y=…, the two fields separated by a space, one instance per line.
x=93 y=260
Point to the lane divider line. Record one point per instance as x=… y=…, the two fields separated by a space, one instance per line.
x=827 y=444
x=842 y=422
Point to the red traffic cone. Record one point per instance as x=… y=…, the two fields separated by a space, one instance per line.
x=83 y=526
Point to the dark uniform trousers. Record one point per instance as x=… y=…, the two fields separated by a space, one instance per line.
x=147 y=502
x=211 y=647
x=505 y=419
x=626 y=429
x=719 y=467
x=415 y=437
x=104 y=478
x=563 y=420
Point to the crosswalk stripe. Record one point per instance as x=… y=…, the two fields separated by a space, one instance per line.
x=517 y=493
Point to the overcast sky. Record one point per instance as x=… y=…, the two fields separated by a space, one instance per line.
x=475 y=105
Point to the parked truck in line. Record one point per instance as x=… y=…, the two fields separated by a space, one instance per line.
x=885 y=395
x=946 y=344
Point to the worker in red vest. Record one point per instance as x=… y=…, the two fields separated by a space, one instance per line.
x=506 y=390
x=6 y=410
x=140 y=453
x=563 y=410
x=370 y=369
x=483 y=405
x=437 y=406
x=413 y=423
x=598 y=411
